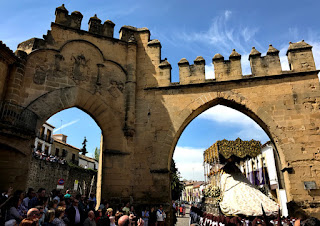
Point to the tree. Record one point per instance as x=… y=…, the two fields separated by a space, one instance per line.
x=84 y=149
x=96 y=153
x=176 y=185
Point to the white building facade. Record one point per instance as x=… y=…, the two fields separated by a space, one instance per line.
x=88 y=163
x=44 y=141
x=264 y=171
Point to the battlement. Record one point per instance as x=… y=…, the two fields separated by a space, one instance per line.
x=300 y=59
x=191 y=73
x=127 y=33
x=74 y=21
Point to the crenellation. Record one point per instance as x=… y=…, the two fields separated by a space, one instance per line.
x=227 y=69
x=266 y=65
x=75 y=20
x=108 y=28
x=300 y=57
x=95 y=25
x=63 y=17
x=184 y=71
x=165 y=73
x=142 y=35
x=154 y=51
x=198 y=70
x=194 y=73
x=299 y=54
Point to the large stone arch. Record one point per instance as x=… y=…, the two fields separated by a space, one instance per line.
x=229 y=99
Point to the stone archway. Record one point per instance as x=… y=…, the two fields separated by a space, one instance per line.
x=236 y=102
x=101 y=111
x=231 y=102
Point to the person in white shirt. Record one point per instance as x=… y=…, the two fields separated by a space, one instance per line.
x=161 y=216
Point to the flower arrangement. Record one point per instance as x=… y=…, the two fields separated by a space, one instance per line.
x=212 y=191
x=213 y=173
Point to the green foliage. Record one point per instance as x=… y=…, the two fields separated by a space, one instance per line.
x=84 y=149
x=97 y=153
x=176 y=185
x=213 y=192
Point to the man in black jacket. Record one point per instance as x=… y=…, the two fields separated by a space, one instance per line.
x=75 y=214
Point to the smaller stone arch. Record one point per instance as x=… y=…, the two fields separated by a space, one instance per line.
x=52 y=102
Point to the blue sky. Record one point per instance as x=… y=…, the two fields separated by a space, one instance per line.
x=186 y=29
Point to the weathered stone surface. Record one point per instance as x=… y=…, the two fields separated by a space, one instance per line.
x=40 y=169
x=126 y=87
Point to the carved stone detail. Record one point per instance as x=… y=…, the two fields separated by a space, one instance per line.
x=80 y=68
x=57 y=65
x=39 y=75
x=98 y=82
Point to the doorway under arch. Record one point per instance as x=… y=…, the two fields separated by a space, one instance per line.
x=64 y=149
x=225 y=114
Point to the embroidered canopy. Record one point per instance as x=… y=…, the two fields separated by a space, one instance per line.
x=227 y=148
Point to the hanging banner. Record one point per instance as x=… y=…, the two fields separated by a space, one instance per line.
x=76 y=183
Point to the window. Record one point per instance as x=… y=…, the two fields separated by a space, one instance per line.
x=39 y=146
x=64 y=153
x=57 y=151
x=41 y=133
x=46 y=149
x=73 y=157
x=48 y=135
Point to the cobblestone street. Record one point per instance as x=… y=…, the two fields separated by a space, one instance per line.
x=183 y=221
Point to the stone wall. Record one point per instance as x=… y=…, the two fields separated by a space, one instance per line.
x=125 y=86
x=46 y=174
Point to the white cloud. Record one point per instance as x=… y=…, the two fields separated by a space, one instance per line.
x=227 y=14
x=245 y=65
x=248 y=34
x=66 y=125
x=249 y=128
x=222 y=36
x=209 y=71
x=189 y=162
x=225 y=114
x=284 y=59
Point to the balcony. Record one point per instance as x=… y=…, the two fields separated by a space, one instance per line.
x=45 y=138
x=17 y=117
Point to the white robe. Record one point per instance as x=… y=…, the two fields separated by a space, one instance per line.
x=241 y=197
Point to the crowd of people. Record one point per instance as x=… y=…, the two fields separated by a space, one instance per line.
x=49 y=158
x=57 y=209
x=179 y=209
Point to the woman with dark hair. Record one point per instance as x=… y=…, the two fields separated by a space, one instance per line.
x=58 y=216
x=22 y=209
x=152 y=217
x=13 y=212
